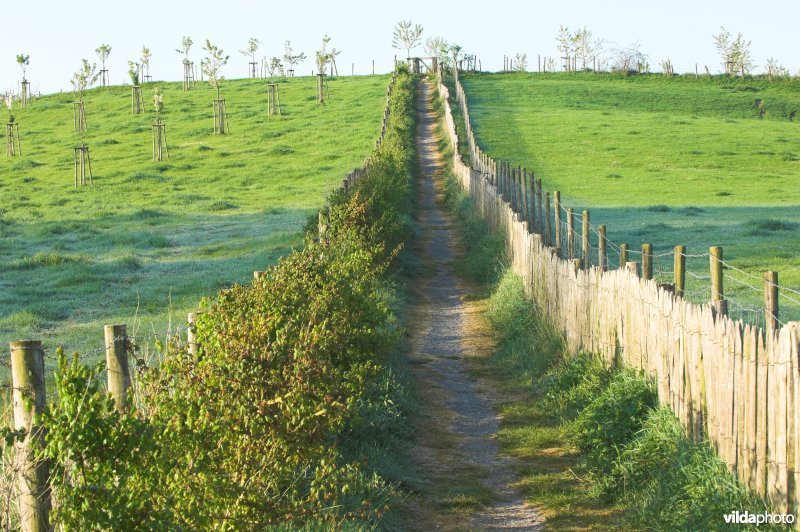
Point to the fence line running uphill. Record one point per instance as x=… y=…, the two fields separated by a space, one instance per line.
x=24 y=478
x=734 y=384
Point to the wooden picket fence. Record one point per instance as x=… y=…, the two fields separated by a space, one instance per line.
x=734 y=385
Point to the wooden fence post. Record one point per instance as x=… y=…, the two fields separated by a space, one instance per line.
x=717 y=289
x=585 y=246
x=539 y=206
x=548 y=238
x=532 y=190
x=602 y=260
x=29 y=398
x=771 y=300
x=119 y=377
x=557 y=207
x=623 y=256
x=191 y=332
x=526 y=206
x=647 y=261
x=570 y=234
x=679 y=271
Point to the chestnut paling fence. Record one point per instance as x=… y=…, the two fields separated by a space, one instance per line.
x=734 y=384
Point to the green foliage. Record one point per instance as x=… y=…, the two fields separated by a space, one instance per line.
x=268 y=421
x=667 y=479
x=609 y=422
x=526 y=343
x=105 y=465
x=571 y=384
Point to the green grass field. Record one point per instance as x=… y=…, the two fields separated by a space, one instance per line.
x=663 y=160
x=148 y=240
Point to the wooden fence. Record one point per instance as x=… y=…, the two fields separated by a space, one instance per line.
x=733 y=384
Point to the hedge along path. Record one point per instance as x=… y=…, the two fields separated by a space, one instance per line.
x=443 y=334
x=732 y=384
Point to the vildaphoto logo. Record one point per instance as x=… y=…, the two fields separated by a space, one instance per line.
x=746 y=518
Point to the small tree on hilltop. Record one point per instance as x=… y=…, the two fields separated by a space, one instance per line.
x=136 y=96
x=213 y=63
x=437 y=47
x=212 y=66
x=735 y=52
x=325 y=57
x=103 y=51
x=23 y=61
x=250 y=51
x=145 y=62
x=521 y=63
x=275 y=67
x=186 y=46
x=84 y=78
x=585 y=48
x=290 y=58
x=565 y=44
x=133 y=72
x=406 y=35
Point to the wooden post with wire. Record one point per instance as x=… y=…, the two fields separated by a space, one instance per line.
x=273 y=99
x=548 y=230
x=717 y=289
x=539 y=206
x=29 y=399
x=585 y=245
x=623 y=256
x=602 y=259
x=82 y=163
x=13 y=147
x=119 y=377
x=570 y=234
x=679 y=270
x=771 y=300
x=557 y=207
x=647 y=261
x=526 y=197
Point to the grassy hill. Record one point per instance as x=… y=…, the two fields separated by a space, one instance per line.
x=663 y=160
x=149 y=239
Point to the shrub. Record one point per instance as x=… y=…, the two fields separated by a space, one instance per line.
x=609 y=422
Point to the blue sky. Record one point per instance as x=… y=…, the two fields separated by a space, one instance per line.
x=57 y=34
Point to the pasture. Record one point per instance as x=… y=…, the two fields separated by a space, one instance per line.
x=663 y=160
x=148 y=240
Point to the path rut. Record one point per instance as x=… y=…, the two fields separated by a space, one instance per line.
x=443 y=335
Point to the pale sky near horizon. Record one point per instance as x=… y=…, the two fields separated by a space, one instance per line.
x=58 y=34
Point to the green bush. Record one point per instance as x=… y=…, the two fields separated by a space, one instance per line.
x=609 y=422
x=570 y=385
x=290 y=387
x=677 y=484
